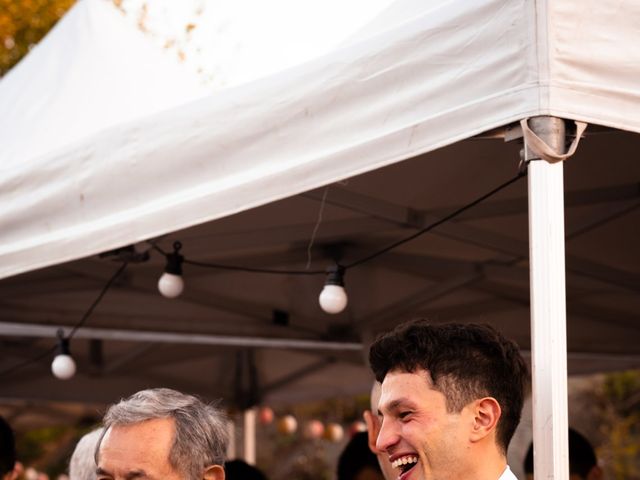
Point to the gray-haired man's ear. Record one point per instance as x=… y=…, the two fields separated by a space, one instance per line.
x=214 y=472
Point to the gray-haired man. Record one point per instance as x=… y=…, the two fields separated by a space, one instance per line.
x=162 y=434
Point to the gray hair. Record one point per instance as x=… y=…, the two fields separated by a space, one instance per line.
x=200 y=436
x=82 y=465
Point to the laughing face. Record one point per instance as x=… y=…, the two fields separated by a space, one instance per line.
x=423 y=440
x=140 y=450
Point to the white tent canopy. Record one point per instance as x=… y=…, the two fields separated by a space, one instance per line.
x=420 y=81
x=442 y=72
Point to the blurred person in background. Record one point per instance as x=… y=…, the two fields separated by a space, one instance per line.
x=8 y=469
x=357 y=461
x=241 y=470
x=583 y=464
x=82 y=465
x=373 y=426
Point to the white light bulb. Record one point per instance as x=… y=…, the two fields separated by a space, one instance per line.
x=63 y=366
x=333 y=298
x=334 y=432
x=170 y=285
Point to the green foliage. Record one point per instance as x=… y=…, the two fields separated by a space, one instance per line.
x=623 y=389
x=23 y=23
x=32 y=445
x=620 y=395
x=49 y=448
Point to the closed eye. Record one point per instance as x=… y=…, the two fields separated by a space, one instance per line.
x=404 y=414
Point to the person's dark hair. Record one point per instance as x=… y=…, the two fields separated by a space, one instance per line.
x=465 y=362
x=241 y=470
x=7 y=448
x=582 y=457
x=356 y=457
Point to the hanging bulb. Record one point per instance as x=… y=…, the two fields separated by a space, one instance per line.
x=334 y=432
x=287 y=425
x=266 y=415
x=171 y=283
x=63 y=365
x=333 y=298
x=357 y=427
x=313 y=429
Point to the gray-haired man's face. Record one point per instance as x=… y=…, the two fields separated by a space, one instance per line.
x=140 y=450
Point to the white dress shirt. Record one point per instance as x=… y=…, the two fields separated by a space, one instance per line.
x=507 y=474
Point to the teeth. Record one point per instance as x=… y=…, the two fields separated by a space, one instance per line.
x=398 y=462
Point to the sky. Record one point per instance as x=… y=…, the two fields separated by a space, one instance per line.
x=228 y=43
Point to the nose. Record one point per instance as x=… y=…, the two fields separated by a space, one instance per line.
x=387 y=435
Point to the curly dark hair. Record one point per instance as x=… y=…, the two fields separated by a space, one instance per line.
x=465 y=362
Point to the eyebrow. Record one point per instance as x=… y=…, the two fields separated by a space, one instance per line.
x=102 y=471
x=132 y=475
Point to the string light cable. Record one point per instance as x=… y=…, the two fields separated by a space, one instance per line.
x=335 y=273
x=422 y=231
x=75 y=328
x=333 y=298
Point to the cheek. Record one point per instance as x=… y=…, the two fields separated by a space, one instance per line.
x=420 y=434
x=432 y=436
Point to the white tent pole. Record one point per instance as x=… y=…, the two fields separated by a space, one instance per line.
x=250 y=436
x=231 y=446
x=548 y=305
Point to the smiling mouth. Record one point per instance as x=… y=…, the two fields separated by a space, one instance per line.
x=404 y=464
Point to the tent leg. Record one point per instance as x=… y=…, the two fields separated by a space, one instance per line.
x=548 y=306
x=250 y=436
x=231 y=447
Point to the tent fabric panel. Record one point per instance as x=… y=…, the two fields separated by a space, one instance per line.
x=594 y=62
x=427 y=83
